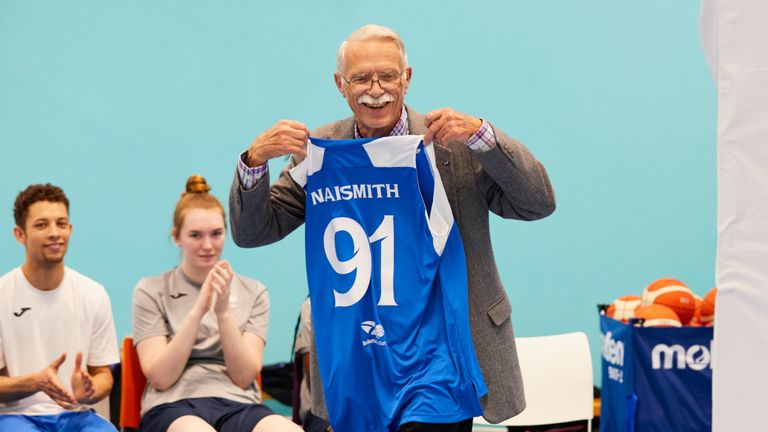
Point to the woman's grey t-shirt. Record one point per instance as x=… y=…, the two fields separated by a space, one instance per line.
x=160 y=304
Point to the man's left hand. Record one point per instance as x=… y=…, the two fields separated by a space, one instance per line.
x=446 y=125
x=82 y=382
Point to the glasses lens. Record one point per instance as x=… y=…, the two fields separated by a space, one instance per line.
x=386 y=80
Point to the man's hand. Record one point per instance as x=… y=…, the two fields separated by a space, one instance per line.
x=447 y=125
x=48 y=383
x=221 y=277
x=285 y=137
x=82 y=382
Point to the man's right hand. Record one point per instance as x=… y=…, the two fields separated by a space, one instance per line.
x=285 y=137
x=48 y=383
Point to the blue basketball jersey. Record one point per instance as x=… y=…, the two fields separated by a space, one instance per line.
x=388 y=283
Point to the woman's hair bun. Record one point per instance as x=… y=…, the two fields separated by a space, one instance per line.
x=197 y=184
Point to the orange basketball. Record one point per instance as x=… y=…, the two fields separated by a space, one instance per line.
x=623 y=308
x=656 y=315
x=708 y=307
x=696 y=320
x=673 y=294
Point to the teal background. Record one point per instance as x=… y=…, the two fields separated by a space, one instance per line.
x=119 y=102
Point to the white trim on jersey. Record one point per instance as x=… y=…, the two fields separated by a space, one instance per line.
x=393 y=151
x=441 y=216
x=300 y=172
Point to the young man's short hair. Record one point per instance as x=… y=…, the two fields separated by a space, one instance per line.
x=36 y=193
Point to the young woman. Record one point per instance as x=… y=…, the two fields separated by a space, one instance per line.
x=200 y=331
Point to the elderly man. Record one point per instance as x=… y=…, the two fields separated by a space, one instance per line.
x=57 y=337
x=482 y=170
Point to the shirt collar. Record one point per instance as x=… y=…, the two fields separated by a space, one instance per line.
x=401 y=127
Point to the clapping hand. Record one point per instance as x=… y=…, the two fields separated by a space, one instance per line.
x=48 y=383
x=220 y=278
x=82 y=382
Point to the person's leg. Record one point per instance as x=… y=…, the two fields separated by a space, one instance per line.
x=83 y=421
x=239 y=417
x=184 y=415
x=462 y=426
x=276 y=423
x=17 y=423
x=190 y=423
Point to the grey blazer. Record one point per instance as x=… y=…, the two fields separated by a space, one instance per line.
x=507 y=180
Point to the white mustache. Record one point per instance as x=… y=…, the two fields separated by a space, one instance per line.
x=381 y=100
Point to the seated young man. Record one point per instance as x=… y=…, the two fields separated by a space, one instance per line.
x=57 y=336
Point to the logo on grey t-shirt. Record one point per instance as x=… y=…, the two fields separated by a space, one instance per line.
x=178 y=296
x=21 y=312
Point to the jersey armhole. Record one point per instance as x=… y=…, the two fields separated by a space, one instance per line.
x=439 y=217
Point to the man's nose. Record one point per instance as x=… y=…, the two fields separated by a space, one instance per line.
x=54 y=231
x=376 y=90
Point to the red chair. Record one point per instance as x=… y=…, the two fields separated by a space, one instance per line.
x=133 y=382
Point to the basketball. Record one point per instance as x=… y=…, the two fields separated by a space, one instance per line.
x=671 y=293
x=708 y=307
x=656 y=315
x=623 y=308
x=696 y=320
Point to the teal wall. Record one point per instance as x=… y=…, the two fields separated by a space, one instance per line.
x=118 y=102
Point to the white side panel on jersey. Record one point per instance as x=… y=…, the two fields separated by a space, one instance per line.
x=441 y=217
x=310 y=165
x=394 y=151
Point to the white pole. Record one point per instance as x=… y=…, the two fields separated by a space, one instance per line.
x=735 y=38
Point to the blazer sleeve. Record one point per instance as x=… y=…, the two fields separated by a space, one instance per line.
x=265 y=214
x=515 y=185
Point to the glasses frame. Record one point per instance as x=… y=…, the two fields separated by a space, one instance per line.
x=363 y=88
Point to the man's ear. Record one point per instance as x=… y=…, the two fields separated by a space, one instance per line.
x=408 y=75
x=339 y=84
x=19 y=234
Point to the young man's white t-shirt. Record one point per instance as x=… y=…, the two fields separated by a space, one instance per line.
x=37 y=326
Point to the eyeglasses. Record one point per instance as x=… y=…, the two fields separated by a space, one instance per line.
x=389 y=80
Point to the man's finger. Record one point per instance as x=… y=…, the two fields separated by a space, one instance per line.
x=300 y=134
x=283 y=148
x=57 y=391
x=434 y=115
x=78 y=361
x=295 y=124
x=65 y=404
x=427 y=137
x=58 y=362
x=446 y=133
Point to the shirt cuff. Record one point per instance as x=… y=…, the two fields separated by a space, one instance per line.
x=249 y=176
x=483 y=140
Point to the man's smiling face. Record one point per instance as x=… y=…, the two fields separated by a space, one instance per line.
x=378 y=103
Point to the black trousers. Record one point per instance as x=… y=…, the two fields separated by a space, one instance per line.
x=462 y=426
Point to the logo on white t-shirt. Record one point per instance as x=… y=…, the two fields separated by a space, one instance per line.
x=21 y=312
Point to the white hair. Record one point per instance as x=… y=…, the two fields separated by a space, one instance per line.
x=371 y=32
